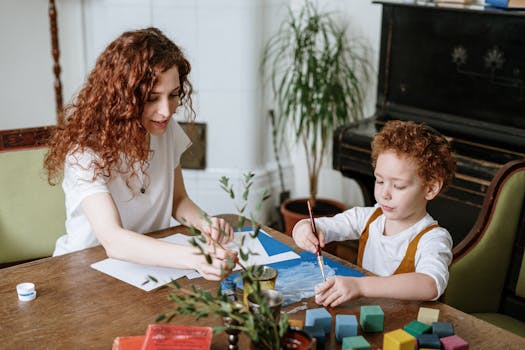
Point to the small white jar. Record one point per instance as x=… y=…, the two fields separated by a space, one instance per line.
x=26 y=291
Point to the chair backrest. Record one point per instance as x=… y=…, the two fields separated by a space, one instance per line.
x=482 y=261
x=513 y=299
x=32 y=213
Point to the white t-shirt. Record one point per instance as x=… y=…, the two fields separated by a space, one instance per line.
x=139 y=212
x=383 y=254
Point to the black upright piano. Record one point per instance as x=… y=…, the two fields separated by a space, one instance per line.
x=460 y=70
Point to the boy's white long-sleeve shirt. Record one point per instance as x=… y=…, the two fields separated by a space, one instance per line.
x=383 y=254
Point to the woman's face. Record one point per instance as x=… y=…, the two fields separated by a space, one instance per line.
x=162 y=103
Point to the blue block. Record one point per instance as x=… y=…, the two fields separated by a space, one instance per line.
x=430 y=341
x=442 y=329
x=318 y=334
x=319 y=318
x=345 y=326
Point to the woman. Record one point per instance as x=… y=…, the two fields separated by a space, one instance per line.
x=119 y=154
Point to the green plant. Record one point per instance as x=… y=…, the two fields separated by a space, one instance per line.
x=316 y=77
x=261 y=326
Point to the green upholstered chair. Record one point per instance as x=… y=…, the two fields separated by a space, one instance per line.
x=32 y=213
x=487 y=275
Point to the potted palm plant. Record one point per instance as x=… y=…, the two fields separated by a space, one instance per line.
x=317 y=78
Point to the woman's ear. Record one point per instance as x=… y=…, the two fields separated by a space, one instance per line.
x=433 y=189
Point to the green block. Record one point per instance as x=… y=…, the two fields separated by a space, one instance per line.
x=355 y=343
x=416 y=328
x=372 y=318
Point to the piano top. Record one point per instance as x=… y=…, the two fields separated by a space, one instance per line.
x=453 y=6
x=463 y=72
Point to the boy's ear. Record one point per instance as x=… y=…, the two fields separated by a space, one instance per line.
x=433 y=190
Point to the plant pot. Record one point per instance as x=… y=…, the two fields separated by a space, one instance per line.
x=294 y=338
x=294 y=210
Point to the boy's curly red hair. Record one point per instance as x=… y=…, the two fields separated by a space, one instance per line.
x=105 y=116
x=429 y=149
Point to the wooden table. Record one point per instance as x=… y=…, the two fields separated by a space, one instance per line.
x=78 y=307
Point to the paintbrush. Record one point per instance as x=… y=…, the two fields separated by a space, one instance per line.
x=314 y=230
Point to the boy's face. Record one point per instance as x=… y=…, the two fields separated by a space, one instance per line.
x=399 y=190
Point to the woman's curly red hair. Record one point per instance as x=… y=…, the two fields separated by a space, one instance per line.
x=429 y=149
x=105 y=116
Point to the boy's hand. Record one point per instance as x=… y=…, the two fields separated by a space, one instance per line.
x=338 y=290
x=305 y=238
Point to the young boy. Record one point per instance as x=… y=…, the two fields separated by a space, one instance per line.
x=398 y=240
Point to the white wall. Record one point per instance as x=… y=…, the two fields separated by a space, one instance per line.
x=222 y=39
x=364 y=20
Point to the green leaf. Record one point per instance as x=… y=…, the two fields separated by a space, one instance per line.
x=244 y=256
x=152 y=278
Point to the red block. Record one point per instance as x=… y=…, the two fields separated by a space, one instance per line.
x=454 y=343
x=165 y=336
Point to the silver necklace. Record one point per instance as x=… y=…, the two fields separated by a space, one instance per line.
x=142 y=177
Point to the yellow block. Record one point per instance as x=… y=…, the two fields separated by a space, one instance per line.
x=428 y=315
x=398 y=340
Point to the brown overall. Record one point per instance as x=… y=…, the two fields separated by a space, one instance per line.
x=408 y=262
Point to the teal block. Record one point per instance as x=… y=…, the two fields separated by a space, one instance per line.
x=345 y=326
x=319 y=318
x=442 y=329
x=355 y=343
x=372 y=318
x=416 y=328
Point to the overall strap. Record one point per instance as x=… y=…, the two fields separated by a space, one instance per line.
x=408 y=262
x=364 y=236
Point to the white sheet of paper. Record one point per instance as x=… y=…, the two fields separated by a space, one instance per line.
x=137 y=274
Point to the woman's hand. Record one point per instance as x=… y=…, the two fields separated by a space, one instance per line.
x=216 y=230
x=337 y=290
x=304 y=237
x=222 y=262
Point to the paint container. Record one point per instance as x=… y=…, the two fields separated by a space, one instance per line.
x=26 y=291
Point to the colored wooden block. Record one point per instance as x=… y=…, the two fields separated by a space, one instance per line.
x=318 y=334
x=443 y=329
x=430 y=341
x=454 y=342
x=398 y=340
x=416 y=328
x=345 y=326
x=296 y=323
x=428 y=315
x=372 y=318
x=355 y=343
x=319 y=318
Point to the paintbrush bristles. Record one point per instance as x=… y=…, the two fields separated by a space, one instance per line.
x=314 y=230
